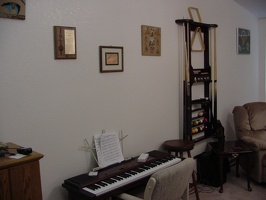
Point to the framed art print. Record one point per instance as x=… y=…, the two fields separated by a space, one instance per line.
x=111 y=59
x=243 y=41
x=151 y=40
x=14 y=9
x=65 y=42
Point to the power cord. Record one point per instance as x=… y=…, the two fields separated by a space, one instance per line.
x=203 y=187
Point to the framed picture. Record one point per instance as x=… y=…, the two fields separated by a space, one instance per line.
x=111 y=59
x=65 y=42
x=243 y=41
x=14 y=9
x=151 y=40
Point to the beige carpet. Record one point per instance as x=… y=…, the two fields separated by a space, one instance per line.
x=235 y=188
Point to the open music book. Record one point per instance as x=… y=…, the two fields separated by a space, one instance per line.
x=108 y=149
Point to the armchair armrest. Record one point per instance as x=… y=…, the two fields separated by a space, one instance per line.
x=254 y=143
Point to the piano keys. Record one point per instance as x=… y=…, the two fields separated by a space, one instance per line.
x=117 y=179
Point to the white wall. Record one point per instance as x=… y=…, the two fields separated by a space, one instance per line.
x=52 y=105
x=262 y=53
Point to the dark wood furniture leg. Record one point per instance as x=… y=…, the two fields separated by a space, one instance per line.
x=248 y=170
x=248 y=173
x=221 y=172
x=194 y=180
x=237 y=166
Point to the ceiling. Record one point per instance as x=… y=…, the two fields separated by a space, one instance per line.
x=256 y=7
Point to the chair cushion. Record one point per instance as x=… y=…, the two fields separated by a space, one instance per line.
x=253 y=142
x=257 y=114
x=250 y=124
x=241 y=120
x=171 y=182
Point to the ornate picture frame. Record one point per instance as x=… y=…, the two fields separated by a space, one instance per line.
x=111 y=59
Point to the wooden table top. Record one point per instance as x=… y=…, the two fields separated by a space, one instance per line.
x=230 y=147
x=6 y=162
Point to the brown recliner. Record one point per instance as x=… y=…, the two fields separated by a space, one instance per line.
x=250 y=128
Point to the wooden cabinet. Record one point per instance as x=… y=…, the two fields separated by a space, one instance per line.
x=199 y=79
x=20 y=178
x=4 y=185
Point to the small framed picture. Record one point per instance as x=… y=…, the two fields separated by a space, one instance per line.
x=111 y=59
x=243 y=41
x=65 y=42
x=150 y=40
x=14 y=9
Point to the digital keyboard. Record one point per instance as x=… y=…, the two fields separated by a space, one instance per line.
x=116 y=179
x=130 y=176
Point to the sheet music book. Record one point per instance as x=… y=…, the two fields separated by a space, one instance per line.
x=108 y=149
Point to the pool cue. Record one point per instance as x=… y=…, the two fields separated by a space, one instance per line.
x=187 y=127
x=215 y=76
